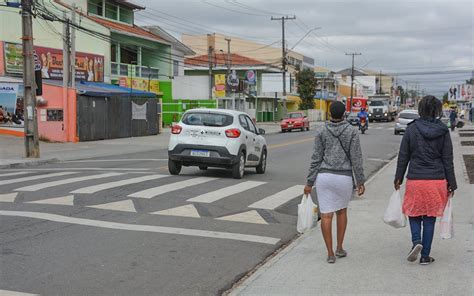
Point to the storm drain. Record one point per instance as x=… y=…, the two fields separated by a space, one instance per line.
x=469 y=161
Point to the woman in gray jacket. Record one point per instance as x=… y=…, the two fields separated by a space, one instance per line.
x=336 y=159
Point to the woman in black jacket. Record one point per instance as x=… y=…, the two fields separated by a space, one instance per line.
x=427 y=148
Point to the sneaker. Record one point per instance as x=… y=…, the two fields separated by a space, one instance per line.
x=331 y=259
x=426 y=260
x=341 y=253
x=415 y=251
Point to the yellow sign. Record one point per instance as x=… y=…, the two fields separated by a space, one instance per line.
x=141 y=84
x=219 y=83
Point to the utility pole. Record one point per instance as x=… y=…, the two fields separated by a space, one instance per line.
x=229 y=63
x=283 y=50
x=380 y=82
x=66 y=51
x=73 y=47
x=29 y=84
x=210 y=50
x=352 y=75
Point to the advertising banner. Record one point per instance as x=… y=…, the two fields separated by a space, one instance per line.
x=140 y=84
x=89 y=67
x=8 y=96
x=219 y=82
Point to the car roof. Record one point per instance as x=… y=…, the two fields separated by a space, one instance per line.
x=410 y=111
x=220 y=111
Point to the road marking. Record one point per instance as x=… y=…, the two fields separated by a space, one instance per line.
x=104 y=186
x=31 y=178
x=274 y=201
x=155 y=191
x=9 y=197
x=224 y=192
x=182 y=211
x=64 y=201
x=247 y=217
x=81 y=169
x=144 y=228
x=66 y=181
x=123 y=205
x=14 y=293
x=14 y=174
x=291 y=143
x=379 y=159
x=379 y=127
x=115 y=160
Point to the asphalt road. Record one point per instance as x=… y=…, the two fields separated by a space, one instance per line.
x=115 y=226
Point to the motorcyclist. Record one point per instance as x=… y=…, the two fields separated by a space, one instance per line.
x=363 y=114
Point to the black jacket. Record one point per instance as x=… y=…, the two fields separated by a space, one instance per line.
x=427 y=147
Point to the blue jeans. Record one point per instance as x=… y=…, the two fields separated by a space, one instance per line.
x=428 y=232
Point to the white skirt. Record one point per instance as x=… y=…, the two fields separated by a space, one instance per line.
x=334 y=192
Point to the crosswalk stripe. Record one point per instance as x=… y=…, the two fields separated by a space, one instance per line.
x=31 y=178
x=246 y=217
x=14 y=174
x=274 y=201
x=9 y=197
x=155 y=191
x=64 y=201
x=224 y=192
x=123 y=205
x=15 y=293
x=182 y=211
x=66 y=181
x=104 y=186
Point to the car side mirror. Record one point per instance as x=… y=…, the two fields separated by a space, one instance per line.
x=261 y=131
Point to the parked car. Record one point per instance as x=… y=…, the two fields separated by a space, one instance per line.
x=295 y=120
x=403 y=119
x=217 y=138
x=352 y=118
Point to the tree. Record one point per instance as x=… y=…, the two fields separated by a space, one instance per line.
x=445 y=98
x=306 y=88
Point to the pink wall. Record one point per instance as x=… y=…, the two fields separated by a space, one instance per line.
x=58 y=131
x=2 y=63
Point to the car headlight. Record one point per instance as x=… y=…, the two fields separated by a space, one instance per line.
x=370 y=114
x=385 y=114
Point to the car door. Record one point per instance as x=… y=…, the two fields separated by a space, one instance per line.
x=247 y=137
x=256 y=148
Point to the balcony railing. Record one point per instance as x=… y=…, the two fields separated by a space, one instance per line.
x=119 y=69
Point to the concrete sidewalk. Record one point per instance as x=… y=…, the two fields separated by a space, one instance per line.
x=376 y=264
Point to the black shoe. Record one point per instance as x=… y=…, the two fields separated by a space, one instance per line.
x=415 y=251
x=426 y=260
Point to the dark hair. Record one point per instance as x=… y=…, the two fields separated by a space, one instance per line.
x=337 y=110
x=430 y=107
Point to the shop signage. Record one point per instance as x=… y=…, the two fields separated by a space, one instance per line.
x=140 y=84
x=219 y=83
x=233 y=81
x=8 y=96
x=89 y=67
x=250 y=77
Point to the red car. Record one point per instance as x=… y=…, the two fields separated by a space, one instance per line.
x=295 y=120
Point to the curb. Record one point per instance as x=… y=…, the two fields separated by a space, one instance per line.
x=28 y=164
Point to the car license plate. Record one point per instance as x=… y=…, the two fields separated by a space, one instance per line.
x=378 y=116
x=290 y=124
x=200 y=153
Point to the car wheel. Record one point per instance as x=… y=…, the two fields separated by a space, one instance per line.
x=203 y=167
x=283 y=131
x=262 y=166
x=302 y=129
x=174 y=167
x=238 y=169
x=396 y=132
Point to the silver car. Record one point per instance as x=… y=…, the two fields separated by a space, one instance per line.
x=403 y=119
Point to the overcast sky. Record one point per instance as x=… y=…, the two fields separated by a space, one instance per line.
x=393 y=36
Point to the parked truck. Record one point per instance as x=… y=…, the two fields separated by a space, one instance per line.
x=382 y=107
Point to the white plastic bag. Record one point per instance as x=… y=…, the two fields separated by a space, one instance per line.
x=307 y=214
x=446 y=226
x=393 y=214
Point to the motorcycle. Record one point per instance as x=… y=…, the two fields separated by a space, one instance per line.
x=363 y=125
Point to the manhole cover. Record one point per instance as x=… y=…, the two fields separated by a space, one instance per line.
x=467 y=143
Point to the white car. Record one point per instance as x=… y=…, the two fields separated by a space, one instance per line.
x=217 y=138
x=403 y=119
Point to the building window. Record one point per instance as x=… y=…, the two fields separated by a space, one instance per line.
x=113 y=52
x=126 y=15
x=111 y=11
x=128 y=55
x=95 y=7
x=175 y=68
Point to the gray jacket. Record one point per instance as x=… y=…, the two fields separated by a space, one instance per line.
x=329 y=156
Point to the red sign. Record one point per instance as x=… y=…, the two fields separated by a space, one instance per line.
x=89 y=67
x=357 y=104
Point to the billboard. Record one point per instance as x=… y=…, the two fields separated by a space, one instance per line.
x=89 y=67
x=460 y=92
x=219 y=84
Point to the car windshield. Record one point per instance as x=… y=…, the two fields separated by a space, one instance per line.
x=295 y=115
x=409 y=115
x=208 y=119
x=376 y=103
